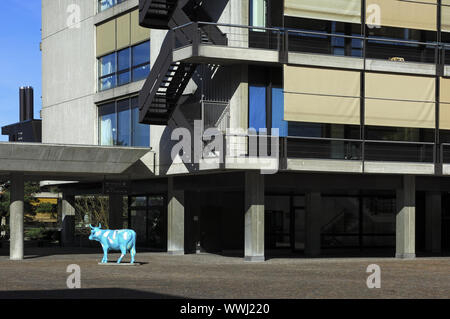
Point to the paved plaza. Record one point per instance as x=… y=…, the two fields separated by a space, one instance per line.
x=43 y=275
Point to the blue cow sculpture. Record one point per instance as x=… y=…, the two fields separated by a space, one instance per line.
x=123 y=240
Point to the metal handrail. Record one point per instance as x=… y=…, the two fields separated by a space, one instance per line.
x=362 y=152
x=287 y=30
x=332 y=139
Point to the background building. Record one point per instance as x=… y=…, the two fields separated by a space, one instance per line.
x=357 y=89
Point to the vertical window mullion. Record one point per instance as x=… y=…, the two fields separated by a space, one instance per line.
x=132 y=63
x=117 y=69
x=131 y=123
x=117 y=123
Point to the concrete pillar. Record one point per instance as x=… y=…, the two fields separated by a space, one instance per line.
x=406 y=219
x=16 y=217
x=433 y=222
x=3 y=224
x=254 y=216
x=68 y=220
x=313 y=224
x=115 y=220
x=175 y=220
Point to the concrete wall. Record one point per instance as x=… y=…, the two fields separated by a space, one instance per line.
x=68 y=72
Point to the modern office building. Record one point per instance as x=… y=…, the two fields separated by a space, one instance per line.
x=358 y=91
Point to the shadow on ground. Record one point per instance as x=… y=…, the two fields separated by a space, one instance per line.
x=39 y=252
x=332 y=253
x=97 y=293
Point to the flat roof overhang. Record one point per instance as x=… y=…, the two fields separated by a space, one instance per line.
x=74 y=162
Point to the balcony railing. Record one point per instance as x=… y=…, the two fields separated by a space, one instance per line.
x=250 y=146
x=301 y=41
x=361 y=150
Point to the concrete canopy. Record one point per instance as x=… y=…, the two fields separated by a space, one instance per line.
x=68 y=161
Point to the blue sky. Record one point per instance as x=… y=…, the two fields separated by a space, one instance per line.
x=20 y=58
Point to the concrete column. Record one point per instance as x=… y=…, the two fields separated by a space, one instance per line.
x=3 y=223
x=313 y=224
x=433 y=222
x=68 y=220
x=406 y=219
x=254 y=216
x=115 y=220
x=175 y=220
x=16 y=217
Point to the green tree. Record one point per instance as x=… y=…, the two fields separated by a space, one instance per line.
x=4 y=199
x=30 y=188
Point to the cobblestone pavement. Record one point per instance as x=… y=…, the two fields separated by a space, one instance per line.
x=44 y=275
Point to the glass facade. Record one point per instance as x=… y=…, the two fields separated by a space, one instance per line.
x=124 y=66
x=119 y=124
x=106 y=4
x=148 y=217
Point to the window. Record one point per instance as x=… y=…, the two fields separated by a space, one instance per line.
x=119 y=124
x=106 y=4
x=141 y=61
x=108 y=124
x=124 y=66
x=258 y=13
x=334 y=41
x=107 y=72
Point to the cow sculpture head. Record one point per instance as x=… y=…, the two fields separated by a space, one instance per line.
x=95 y=232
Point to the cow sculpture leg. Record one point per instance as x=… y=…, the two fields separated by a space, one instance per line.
x=133 y=253
x=123 y=250
x=105 y=255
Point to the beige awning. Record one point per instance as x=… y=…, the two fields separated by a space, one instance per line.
x=120 y=33
x=332 y=10
x=321 y=95
x=106 y=38
x=138 y=33
x=123 y=31
x=444 y=104
x=400 y=100
x=445 y=16
x=412 y=14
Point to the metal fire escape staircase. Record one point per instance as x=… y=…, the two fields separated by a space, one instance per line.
x=164 y=88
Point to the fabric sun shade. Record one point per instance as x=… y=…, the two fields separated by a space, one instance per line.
x=321 y=95
x=119 y=33
x=444 y=104
x=400 y=100
x=332 y=10
x=411 y=14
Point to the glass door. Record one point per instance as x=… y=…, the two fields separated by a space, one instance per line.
x=278 y=222
x=148 y=218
